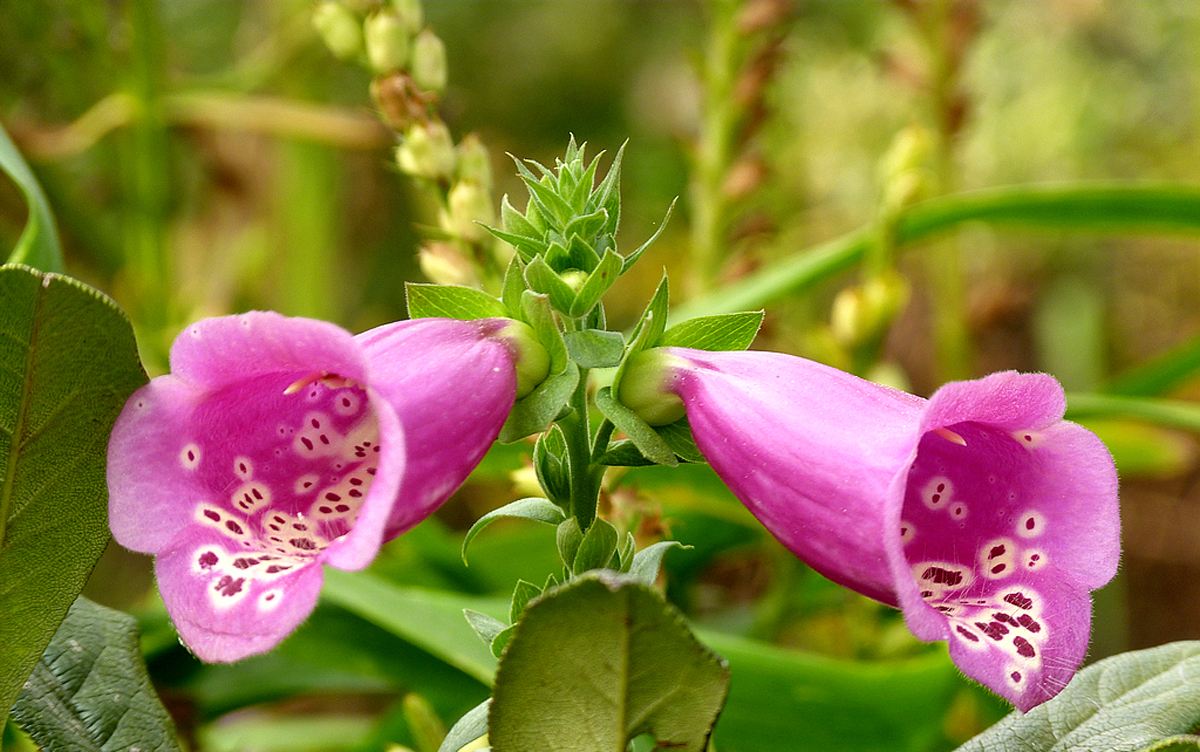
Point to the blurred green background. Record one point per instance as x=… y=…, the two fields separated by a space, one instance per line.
x=205 y=156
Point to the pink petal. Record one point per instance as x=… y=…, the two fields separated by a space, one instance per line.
x=452 y=384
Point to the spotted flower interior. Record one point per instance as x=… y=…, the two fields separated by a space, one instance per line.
x=281 y=477
x=980 y=537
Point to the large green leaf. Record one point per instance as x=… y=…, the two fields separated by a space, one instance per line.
x=1121 y=704
x=68 y=361
x=38 y=245
x=90 y=690
x=602 y=660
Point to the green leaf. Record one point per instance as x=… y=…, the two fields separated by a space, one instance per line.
x=550 y=464
x=451 y=302
x=647 y=440
x=596 y=548
x=648 y=561
x=608 y=194
x=527 y=247
x=1127 y=702
x=512 y=288
x=617 y=653
x=38 y=245
x=598 y=282
x=500 y=641
x=678 y=436
x=524 y=592
x=568 y=537
x=543 y=279
x=486 y=627
x=1187 y=743
x=624 y=453
x=594 y=348
x=632 y=258
x=468 y=728
x=90 y=690
x=68 y=361
x=532 y=508
x=540 y=316
x=727 y=331
x=430 y=619
x=541 y=406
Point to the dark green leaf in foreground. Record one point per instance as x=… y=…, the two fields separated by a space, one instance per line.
x=68 y=361
x=1122 y=704
x=602 y=660
x=90 y=691
x=38 y=245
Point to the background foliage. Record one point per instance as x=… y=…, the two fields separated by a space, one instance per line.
x=203 y=157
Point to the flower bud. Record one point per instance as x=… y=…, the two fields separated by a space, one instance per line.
x=387 y=42
x=429 y=62
x=474 y=162
x=447 y=264
x=645 y=387
x=339 y=29
x=532 y=360
x=427 y=151
x=466 y=207
x=574 y=278
x=410 y=13
x=860 y=314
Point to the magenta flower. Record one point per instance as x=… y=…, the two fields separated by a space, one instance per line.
x=280 y=444
x=980 y=512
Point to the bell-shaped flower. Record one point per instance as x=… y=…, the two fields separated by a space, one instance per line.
x=979 y=512
x=277 y=445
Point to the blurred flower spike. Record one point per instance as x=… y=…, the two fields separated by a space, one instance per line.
x=277 y=445
x=980 y=512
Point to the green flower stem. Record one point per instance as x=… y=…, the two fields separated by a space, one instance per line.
x=1094 y=207
x=577 y=431
x=1169 y=413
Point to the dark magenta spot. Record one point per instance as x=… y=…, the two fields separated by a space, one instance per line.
x=269 y=597
x=324 y=439
x=257 y=494
x=370 y=471
x=1028 y=437
x=1019 y=600
x=1003 y=618
x=207 y=560
x=342 y=508
x=993 y=629
x=936 y=498
x=214 y=516
x=228 y=586
x=999 y=568
x=1030 y=523
x=1016 y=676
x=191 y=456
x=316 y=423
x=244 y=563
x=333 y=497
x=942 y=576
x=325 y=510
x=996 y=551
x=301 y=528
x=303 y=543
x=306 y=442
x=355 y=493
x=1023 y=646
x=234 y=527
x=1027 y=621
x=967 y=633
x=356 y=481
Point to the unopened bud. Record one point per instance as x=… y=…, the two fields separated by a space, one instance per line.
x=447 y=264
x=861 y=314
x=467 y=206
x=429 y=62
x=903 y=170
x=410 y=13
x=427 y=151
x=387 y=42
x=339 y=28
x=574 y=278
x=474 y=162
x=530 y=357
x=645 y=387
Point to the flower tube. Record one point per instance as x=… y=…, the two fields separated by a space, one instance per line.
x=277 y=445
x=979 y=512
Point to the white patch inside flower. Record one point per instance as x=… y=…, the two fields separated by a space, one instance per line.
x=1031 y=524
x=270 y=599
x=347 y=403
x=243 y=468
x=306 y=484
x=907 y=532
x=251 y=497
x=935 y=578
x=227 y=590
x=958 y=510
x=1028 y=438
x=997 y=558
x=1033 y=559
x=190 y=456
x=936 y=492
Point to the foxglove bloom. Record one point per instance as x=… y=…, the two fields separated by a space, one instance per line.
x=280 y=444
x=980 y=512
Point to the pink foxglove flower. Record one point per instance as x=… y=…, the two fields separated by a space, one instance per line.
x=280 y=444
x=980 y=512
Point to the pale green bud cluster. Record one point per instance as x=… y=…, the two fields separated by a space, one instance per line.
x=390 y=41
x=903 y=171
x=862 y=314
x=339 y=28
x=429 y=70
x=387 y=42
x=427 y=151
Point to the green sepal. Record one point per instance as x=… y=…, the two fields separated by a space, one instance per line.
x=678 y=436
x=524 y=592
x=598 y=283
x=515 y=223
x=648 y=328
x=501 y=640
x=581 y=254
x=528 y=248
x=596 y=548
x=632 y=258
x=647 y=562
x=512 y=288
x=595 y=348
x=550 y=463
x=549 y=203
x=486 y=627
x=543 y=279
x=626 y=552
x=540 y=316
x=624 y=453
x=586 y=225
x=607 y=195
x=567 y=538
x=647 y=440
x=531 y=508
x=727 y=331
x=451 y=302
x=541 y=407
x=472 y=726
